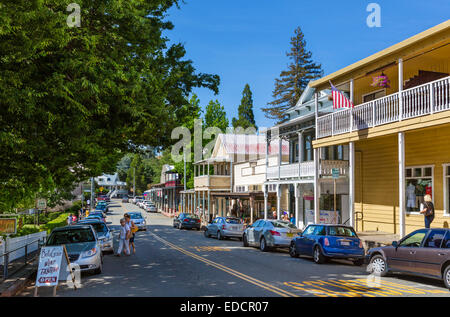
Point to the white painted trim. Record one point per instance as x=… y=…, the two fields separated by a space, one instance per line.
x=401 y=183
x=445 y=183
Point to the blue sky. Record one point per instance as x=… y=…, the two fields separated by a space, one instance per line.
x=245 y=41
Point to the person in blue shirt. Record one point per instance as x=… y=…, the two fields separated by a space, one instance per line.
x=292 y=219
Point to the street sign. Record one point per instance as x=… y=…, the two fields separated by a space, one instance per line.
x=8 y=225
x=335 y=172
x=41 y=204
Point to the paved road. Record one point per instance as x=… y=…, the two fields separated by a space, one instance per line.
x=183 y=263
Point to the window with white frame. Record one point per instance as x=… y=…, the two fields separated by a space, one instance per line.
x=446 y=189
x=419 y=182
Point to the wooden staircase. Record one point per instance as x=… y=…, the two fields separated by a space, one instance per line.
x=423 y=77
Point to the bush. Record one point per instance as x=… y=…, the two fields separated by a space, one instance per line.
x=26 y=229
x=59 y=221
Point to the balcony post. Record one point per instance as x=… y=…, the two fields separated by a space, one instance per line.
x=316 y=186
x=267 y=154
x=400 y=89
x=297 y=209
x=280 y=157
x=266 y=194
x=401 y=183
x=300 y=152
x=431 y=99
x=278 y=201
x=352 y=100
x=351 y=181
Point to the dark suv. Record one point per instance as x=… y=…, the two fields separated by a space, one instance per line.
x=424 y=252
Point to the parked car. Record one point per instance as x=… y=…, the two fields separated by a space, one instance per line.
x=323 y=241
x=104 y=233
x=267 y=234
x=102 y=207
x=185 y=220
x=82 y=246
x=151 y=208
x=95 y=216
x=424 y=252
x=225 y=227
x=138 y=220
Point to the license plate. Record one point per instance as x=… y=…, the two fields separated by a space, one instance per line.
x=289 y=235
x=345 y=243
x=233 y=228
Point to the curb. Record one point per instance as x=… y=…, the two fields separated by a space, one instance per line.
x=19 y=284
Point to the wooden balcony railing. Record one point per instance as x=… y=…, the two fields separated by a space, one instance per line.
x=418 y=101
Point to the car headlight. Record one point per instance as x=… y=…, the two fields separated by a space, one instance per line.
x=143 y=222
x=89 y=253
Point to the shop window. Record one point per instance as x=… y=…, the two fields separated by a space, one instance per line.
x=419 y=182
x=447 y=189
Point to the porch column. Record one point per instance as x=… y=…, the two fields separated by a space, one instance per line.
x=316 y=185
x=401 y=183
x=209 y=204
x=351 y=183
x=352 y=100
x=203 y=204
x=251 y=208
x=297 y=209
x=400 y=89
x=279 y=157
x=278 y=201
x=266 y=194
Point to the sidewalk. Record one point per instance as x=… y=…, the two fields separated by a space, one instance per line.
x=373 y=239
x=17 y=281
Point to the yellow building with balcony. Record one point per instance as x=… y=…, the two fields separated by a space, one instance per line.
x=398 y=132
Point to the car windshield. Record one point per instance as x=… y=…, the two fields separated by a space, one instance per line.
x=93 y=217
x=99 y=226
x=135 y=216
x=71 y=236
x=191 y=216
x=341 y=231
x=283 y=224
x=234 y=221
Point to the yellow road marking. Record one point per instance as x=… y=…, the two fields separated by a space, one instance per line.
x=228 y=270
x=210 y=248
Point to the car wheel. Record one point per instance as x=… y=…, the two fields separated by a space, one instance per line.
x=219 y=235
x=263 y=245
x=447 y=276
x=378 y=265
x=293 y=250
x=358 y=262
x=318 y=256
x=244 y=241
x=99 y=269
x=206 y=233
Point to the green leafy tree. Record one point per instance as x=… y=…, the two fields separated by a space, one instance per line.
x=215 y=116
x=246 y=117
x=74 y=99
x=293 y=81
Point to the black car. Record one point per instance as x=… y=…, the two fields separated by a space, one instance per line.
x=188 y=221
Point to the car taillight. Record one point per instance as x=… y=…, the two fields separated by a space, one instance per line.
x=326 y=242
x=198 y=220
x=274 y=233
x=186 y=220
x=360 y=244
x=223 y=227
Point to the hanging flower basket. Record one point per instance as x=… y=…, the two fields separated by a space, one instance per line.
x=381 y=81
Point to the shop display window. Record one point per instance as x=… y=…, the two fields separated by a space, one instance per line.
x=419 y=182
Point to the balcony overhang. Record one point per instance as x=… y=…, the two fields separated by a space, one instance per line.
x=428 y=121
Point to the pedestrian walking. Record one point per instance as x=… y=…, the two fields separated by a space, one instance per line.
x=292 y=219
x=427 y=209
x=133 y=229
x=74 y=218
x=69 y=220
x=123 y=238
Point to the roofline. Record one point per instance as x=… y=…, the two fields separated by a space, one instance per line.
x=388 y=51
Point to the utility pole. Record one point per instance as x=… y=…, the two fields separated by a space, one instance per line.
x=92 y=194
x=134 y=182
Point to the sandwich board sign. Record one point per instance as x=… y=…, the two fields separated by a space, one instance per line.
x=53 y=262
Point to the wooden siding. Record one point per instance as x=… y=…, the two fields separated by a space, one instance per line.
x=376 y=181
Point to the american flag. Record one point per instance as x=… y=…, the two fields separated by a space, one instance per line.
x=339 y=99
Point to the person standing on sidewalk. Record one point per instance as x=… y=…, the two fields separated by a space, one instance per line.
x=133 y=229
x=427 y=209
x=123 y=238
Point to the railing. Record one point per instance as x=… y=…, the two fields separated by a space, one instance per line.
x=15 y=253
x=306 y=169
x=418 y=101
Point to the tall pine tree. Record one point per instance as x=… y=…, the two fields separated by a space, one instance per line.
x=246 y=117
x=292 y=82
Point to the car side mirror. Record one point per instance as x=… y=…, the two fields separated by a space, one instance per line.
x=395 y=244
